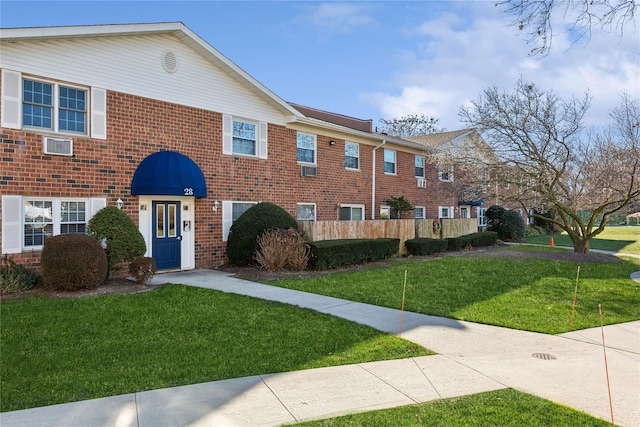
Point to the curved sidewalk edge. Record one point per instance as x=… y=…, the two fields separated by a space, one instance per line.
x=472 y=358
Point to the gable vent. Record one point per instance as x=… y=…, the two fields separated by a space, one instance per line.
x=309 y=171
x=169 y=61
x=58 y=146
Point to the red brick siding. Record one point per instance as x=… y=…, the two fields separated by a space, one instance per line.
x=138 y=127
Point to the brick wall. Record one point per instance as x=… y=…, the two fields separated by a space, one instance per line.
x=138 y=127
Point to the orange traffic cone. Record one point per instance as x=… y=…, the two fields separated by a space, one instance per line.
x=551 y=242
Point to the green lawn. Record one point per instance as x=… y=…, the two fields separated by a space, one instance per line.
x=504 y=408
x=63 y=350
x=522 y=293
x=624 y=239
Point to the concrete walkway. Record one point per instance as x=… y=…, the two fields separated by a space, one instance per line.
x=567 y=368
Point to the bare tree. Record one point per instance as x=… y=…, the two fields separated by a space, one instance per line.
x=542 y=149
x=411 y=125
x=536 y=18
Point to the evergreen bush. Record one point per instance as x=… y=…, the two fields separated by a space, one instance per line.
x=119 y=233
x=73 y=261
x=425 y=246
x=328 y=254
x=242 y=243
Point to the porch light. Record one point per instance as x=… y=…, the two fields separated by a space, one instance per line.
x=119 y=203
x=215 y=206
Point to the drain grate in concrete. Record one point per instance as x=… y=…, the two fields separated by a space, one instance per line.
x=544 y=356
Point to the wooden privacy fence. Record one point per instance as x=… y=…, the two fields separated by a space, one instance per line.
x=403 y=229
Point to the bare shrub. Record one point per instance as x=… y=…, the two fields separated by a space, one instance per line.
x=142 y=269
x=283 y=250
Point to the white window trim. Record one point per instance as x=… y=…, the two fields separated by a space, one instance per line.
x=424 y=211
x=346 y=205
x=358 y=157
x=227 y=215
x=315 y=148
x=262 y=138
x=443 y=170
x=96 y=125
x=385 y=210
x=482 y=217
x=395 y=161
x=13 y=218
x=55 y=107
x=423 y=167
x=450 y=212
x=315 y=212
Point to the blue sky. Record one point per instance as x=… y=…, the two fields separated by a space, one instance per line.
x=379 y=59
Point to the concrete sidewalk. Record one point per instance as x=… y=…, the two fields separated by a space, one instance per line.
x=568 y=369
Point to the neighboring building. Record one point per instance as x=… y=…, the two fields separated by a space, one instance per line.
x=153 y=118
x=477 y=187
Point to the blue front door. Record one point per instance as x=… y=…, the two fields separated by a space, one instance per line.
x=166 y=235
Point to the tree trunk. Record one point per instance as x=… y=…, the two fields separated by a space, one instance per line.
x=581 y=245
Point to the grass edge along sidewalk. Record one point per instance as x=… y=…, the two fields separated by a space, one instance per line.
x=503 y=288
x=505 y=408
x=64 y=350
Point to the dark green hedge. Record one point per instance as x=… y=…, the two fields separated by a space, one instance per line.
x=425 y=246
x=484 y=238
x=328 y=254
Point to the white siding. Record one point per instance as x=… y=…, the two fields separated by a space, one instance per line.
x=133 y=65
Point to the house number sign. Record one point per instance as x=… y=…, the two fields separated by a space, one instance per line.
x=188 y=191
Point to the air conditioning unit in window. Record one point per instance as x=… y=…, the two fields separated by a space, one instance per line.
x=309 y=171
x=422 y=183
x=57 y=146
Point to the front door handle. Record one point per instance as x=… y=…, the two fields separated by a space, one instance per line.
x=179 y=237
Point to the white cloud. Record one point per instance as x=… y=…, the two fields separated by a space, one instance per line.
x=458 y=54
x=333 y=18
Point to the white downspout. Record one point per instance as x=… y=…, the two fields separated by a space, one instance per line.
x=373 y=181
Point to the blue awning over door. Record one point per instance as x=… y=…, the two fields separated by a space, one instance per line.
x=168 y=173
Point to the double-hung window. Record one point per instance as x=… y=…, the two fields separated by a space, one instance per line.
x=445 y=211
x=419 y=211
x=306 y=212
x=445 y=173
x=54 y=107
x=389 y=161
x=351 y=212
x=306 y=148
x=351 y=155
x=244 y=137
x=419 y=166
x=482 y=217
x=44 y=218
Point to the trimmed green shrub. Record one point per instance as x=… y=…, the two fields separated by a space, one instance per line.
x=242 y=244
x=73 y=261
x=328 y=254
x=16 y=277
x=142 y=269
x=123 y=240
x=474 y=240
x=425 y=246
x=494 y=216
x=512 y=226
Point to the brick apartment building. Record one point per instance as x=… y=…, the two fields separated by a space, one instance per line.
x=152 y=118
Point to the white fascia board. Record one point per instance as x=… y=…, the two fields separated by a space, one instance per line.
x=176 y=28
x=375 y=138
